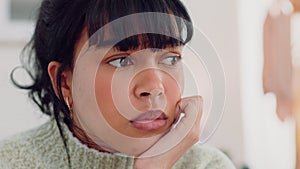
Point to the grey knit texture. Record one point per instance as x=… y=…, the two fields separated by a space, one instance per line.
x=42 y=148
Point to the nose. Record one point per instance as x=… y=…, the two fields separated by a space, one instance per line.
x=149 y=84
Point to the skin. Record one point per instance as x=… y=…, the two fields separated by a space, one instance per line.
x=144 y=82
x=189 y=127
x=140 y=88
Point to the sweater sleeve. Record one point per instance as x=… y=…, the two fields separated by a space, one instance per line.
x=219 y=160
x=204 y=157
x=3 y=166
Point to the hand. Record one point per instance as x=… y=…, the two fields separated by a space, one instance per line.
x=185 y=134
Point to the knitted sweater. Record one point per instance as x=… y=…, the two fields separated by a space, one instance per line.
x=43 y=148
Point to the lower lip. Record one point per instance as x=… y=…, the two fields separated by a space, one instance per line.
x=149 y=125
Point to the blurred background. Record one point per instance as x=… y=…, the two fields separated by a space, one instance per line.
x=250 y=133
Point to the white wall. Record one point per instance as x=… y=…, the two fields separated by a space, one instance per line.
x=17 y=112
x=269 y=143
x=218 y=20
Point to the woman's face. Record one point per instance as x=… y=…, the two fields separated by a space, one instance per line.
x=137 y=90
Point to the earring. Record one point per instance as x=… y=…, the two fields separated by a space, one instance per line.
x=68 y=104
x=69 y=107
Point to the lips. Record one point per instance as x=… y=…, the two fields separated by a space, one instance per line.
x=150 y=120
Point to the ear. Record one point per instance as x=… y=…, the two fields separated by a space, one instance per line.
x=66 y=80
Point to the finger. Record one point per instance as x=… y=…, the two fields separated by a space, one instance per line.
x=192 y=108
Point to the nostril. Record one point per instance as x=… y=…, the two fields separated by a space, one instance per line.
x=144 y=94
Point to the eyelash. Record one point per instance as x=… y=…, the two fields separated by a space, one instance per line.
x=177 y=57
x=117 y=62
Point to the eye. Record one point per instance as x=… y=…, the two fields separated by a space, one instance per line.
x=171 y=60
x=121 y=61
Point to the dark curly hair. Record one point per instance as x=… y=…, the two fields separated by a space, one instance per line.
x=58 y=29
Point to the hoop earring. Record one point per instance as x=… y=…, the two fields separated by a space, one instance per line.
x=68 y=104
x=69 y=107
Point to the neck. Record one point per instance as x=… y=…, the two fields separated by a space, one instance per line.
x=84 y=139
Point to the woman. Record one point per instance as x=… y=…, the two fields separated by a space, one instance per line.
x=109 y=74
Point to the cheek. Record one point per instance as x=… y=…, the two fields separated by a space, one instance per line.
x=103 y=90
x=172 y=90
x=174 y=85
x=179 y=77
x=174 y=82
